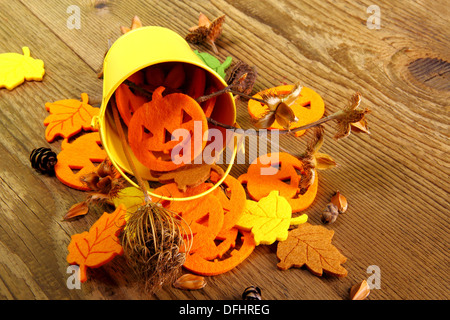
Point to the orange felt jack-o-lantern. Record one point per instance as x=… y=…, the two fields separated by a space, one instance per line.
x=285 y=178
x=151 y=128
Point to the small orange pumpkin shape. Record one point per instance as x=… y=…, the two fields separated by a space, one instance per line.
x=151 y=127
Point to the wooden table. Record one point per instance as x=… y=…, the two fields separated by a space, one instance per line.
x=396 y=179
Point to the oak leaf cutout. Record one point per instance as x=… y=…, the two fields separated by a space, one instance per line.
x=100 y=245
x=16 y=68
x=311 y=246
x=269 y=218
x=68 y=117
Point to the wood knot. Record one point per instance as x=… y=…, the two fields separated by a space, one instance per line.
x=432 y=72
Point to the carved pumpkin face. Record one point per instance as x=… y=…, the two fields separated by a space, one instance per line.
x=151 y=127
x=286 y=178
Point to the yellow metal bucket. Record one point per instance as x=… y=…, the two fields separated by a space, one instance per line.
x=137 y=50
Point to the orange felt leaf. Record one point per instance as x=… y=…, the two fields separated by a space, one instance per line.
x=80 y=155
x=151 y=127
x=308 y=107
x=197 y=263
x=68 y=117
x=311 y=246
x=100 y=245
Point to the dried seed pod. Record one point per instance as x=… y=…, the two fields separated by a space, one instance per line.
x=360 y=291
x=330 y=213
x=252 y=293
x=43 y=160
x=340 y=201
x=190 y=282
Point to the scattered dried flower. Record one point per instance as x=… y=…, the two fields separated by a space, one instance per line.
x=190 y=282
x=360 y=291
x=340 y=201
x=278 y=108
x=313 y=159
x=104 y=185
x=352 y=118
x=330 y=214
x=239 y=69
x=206 y=31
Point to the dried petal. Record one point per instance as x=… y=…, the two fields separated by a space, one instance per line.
x=360 y=126
x=78 y=209
x=360 y=291
x=91 y=180
x=265 y=121
x=285 y=116
x=340 y=201
x=190 y=282
x=324 y=161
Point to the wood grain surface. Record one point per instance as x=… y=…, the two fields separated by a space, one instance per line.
x=396 y=179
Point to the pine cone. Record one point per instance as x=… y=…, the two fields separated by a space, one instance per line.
x=43 y=160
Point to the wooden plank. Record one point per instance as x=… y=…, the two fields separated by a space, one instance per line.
x=394 y=178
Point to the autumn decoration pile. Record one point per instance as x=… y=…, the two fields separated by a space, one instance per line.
x=213 y=234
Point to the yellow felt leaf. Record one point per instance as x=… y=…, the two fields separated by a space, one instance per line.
x=16 y=68
x=132 y=198
x=269 y=218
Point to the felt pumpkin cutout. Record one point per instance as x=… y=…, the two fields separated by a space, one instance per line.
x=308 y=107
x=197 y=263
x=204 y=216
x=285 y=180
x=128 y=102
x=81 y=154
x=232 y=199
x=151 y=127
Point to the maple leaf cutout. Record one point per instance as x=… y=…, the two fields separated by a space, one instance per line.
x=269 y=218
x=16 y=68
x=206 y=31
x=100 y=245
x=311 y=246
x=68 y=117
